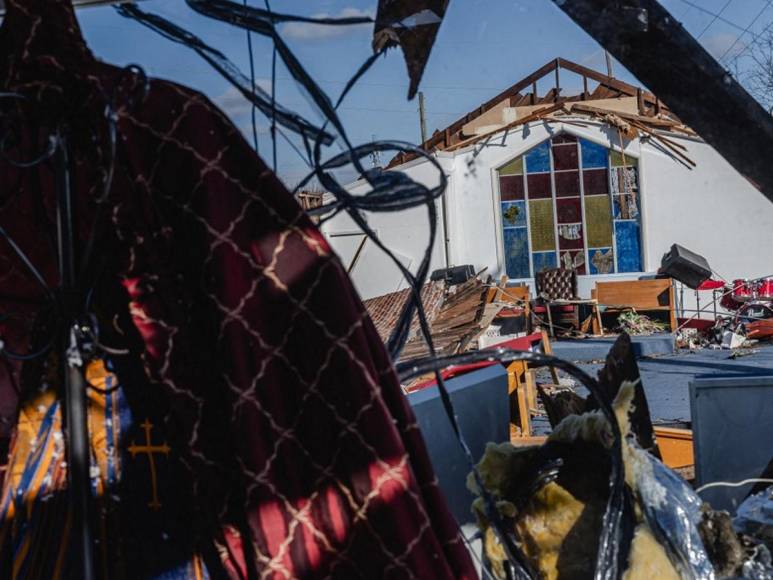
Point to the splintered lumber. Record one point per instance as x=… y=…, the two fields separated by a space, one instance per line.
x=458 y=322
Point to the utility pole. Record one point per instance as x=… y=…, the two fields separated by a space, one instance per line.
x=375 y=157
x=422 y=118
x=609 y=63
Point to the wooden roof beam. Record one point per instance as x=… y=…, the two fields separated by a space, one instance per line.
x=628 y=116
x=605 y=80
x=544 y=70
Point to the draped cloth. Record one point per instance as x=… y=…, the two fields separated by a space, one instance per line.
x=284 y=446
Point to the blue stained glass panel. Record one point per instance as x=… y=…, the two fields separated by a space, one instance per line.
x=628 y=246
x=543 y=261
x=516 y=253
x=601 y=261
x=593 y=156
x=513 y=214
x=538 y=159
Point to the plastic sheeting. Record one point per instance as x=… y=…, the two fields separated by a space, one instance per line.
x=672 y=510
x=755 y=517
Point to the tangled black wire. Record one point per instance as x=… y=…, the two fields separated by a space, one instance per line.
x=54 y=143
x=389 y=191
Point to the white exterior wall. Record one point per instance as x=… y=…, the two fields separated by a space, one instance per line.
x=405 y=233
x=711 y=210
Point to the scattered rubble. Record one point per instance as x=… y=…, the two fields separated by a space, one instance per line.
x=691 y=339
x=457 y=314
x=637 y=324
x=742 y=352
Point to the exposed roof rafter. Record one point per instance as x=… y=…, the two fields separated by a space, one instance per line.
x=515 y=96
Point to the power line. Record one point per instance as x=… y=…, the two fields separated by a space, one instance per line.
x=767 y=5
x=716 y=16
x=189 y=71
x=400 y=85
x=407 y=112
x=756 y=40
x=713 y=20
x=381 y=110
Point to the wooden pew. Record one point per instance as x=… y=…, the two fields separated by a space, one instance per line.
x=639 y=295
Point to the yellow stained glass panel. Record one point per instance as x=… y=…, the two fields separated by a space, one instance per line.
x=616 y=160
x=541 y=221
x=598 y=216
x=515 y=167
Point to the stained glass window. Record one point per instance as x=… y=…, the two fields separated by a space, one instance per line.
x=572 y=203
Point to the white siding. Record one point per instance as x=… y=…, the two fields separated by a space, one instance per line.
x=405 y=233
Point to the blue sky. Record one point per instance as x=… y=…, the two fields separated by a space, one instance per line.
x=483 y=47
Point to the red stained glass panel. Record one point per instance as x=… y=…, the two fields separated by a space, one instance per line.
x=511 y=187
x=569 y=211
x=565 y=157
x=570 y=237
x=595 y=181
x=539 y=185
x=564 y=138
x=567 y=184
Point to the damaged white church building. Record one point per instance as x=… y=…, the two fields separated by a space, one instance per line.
x=603 y=181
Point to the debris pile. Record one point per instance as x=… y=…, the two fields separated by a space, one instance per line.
x=385 y=310
x=554 y=498
x=457 y=315
x=693 y=338
x=749 y=318
x=462 y=316
x=637 y=324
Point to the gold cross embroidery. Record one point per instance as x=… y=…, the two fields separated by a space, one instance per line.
x=150 y=450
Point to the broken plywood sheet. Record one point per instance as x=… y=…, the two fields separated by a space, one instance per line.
x=499 y=114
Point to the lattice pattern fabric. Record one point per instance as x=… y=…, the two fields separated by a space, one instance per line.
x=292 y=451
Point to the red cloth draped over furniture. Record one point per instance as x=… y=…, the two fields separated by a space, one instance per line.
x=297 y=448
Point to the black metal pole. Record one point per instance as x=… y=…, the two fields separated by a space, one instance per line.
x=75 y=409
